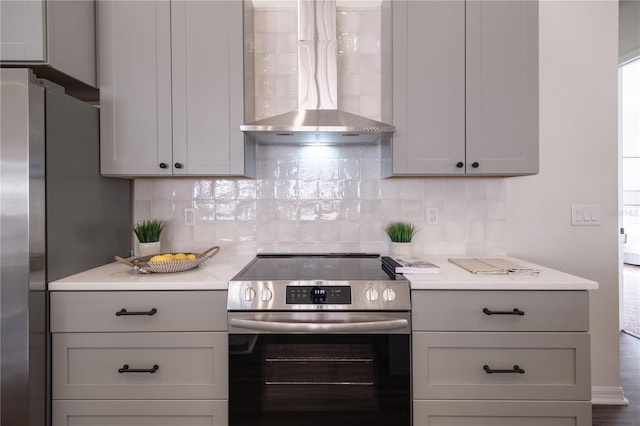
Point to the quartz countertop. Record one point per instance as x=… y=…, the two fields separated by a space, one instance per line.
x=453 y=277
x=216 y=272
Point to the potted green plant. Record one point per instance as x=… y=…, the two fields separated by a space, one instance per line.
x=148 y=234
x=401 y=234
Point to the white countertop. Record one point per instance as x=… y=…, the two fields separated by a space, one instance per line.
x=216 y=272
x=453 y=277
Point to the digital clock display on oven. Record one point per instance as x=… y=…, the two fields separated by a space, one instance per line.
x=313 y=295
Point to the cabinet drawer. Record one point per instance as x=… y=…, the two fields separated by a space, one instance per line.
x=451 y=366
x=463 y=310
x=139 y=413
x=501 y=413
x=92 y=365
x=160 y=311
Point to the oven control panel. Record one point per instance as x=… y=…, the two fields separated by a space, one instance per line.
x=313 y=295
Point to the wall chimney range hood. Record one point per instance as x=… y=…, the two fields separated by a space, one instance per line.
x=318 y=120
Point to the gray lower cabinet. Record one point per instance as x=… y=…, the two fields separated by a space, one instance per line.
x=447 y=310
x=139 y=358
x=139 y=413
x=501 y=358
x=117 y=311
x=500 y=413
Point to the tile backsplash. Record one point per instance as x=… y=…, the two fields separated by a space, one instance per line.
x=317 y=199
x=358 y=62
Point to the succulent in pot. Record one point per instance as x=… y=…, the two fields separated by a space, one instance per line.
x=148 y=234
x=400 y=232
x=148 y=231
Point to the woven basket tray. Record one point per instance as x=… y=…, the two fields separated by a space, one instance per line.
x=143 y=265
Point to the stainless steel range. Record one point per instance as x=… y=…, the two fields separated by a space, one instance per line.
x=316 y=338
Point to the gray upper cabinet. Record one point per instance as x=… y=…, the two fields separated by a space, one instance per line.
x=171 y=85
x=55 y=37
x=502 y=87
x=465 y=88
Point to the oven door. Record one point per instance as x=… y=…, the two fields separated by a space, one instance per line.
x=313 y=369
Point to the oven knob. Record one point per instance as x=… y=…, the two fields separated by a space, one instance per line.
x=249 y=294
x=388 y=295
x=267 y=294
x=371 y=294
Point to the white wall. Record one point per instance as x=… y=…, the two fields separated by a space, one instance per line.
x=578 y=165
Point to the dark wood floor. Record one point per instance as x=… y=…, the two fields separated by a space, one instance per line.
x=629 y=415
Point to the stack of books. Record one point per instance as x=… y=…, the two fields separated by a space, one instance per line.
x=410 y=265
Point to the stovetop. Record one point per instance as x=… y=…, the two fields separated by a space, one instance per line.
x=316 y=267
x=311 y=282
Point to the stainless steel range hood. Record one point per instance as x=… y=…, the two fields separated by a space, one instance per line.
x=325 y=126
x=318 y=120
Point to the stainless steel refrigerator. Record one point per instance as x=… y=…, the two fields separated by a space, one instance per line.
x=58 y=216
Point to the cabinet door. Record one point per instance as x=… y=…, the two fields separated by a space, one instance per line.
x=22 y=30
x=57 y=37
x=501 y=413
x=484 y=310
x=207 y=53
x=139 y=413
x=139 y=366
x=134 y=64
x=502 y=87
x=428 y=87
x=550 y=366
x=102 y=311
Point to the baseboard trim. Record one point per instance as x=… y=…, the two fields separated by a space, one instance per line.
x=605 y=395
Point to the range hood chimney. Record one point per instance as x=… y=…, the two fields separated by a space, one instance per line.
x=318 y=120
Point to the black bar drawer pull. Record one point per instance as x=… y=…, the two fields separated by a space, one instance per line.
x=125 y=369
x=516 y=369
x=516 y=311
x=123 y=311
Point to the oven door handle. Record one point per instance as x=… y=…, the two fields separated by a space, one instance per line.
x=319 y=327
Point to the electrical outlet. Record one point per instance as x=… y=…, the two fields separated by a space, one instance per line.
x=189 y=216
x=432 y=216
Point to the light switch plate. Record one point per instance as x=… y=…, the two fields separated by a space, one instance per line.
x=585 y=215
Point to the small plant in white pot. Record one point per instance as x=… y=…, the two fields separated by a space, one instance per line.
x=401 y=234
x=148 y=234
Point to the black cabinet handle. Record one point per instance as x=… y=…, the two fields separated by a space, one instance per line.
x=125 y=369
x=475 y=165
x=123 y=311
x=163 y=165
x=516 y=311
x=460 y=164
x=178 y=165
x=516 y=370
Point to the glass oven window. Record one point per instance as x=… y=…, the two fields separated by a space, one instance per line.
x=319 y=380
